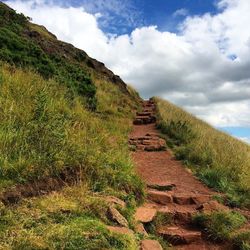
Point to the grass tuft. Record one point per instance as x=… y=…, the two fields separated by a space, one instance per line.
x=219 y=225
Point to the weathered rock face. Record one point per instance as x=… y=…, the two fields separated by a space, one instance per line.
x=114 y=215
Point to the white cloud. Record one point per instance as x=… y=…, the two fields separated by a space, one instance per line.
x=192 y=68
x=181 y=12
x=245 y=139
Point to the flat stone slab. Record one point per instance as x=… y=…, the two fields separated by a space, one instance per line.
x=144 y=214
x=159 y=197
x=150 y=245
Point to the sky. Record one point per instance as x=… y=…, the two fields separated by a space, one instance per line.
x=194 y=53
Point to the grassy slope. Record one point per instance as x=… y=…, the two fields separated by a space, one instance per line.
x=218 y=159
x=57 y=112
x=43 y=130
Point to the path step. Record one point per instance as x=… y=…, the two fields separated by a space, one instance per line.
x=140 y=120
x=187 y=199
x=164 y=198
x=148 y=143
x=150 y=245
x=179 y=214
x=178 y=235
x=145 y=214
x=159 y=197
x=144 y=113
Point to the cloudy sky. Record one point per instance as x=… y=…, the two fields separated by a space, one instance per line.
x=195 y=53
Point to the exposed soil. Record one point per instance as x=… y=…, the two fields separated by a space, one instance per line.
x=172 y=189
x=43 y=186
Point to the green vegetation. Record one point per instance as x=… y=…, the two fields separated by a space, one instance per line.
x=242 y=240
x=44 y=130
x=72 y=219
x=18 y=47
x=219 y=226
x=218 y=159
x=57 y=113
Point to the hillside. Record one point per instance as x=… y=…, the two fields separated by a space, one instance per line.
x=85 y=163
x=65 y=119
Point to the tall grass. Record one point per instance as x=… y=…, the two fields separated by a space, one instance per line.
x=220 y=160
x=44 y=130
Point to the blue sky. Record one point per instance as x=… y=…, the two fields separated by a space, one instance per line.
x=194 y=53
x=138 y=13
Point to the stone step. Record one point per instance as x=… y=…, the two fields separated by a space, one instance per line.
x=148 y=109
x=145 y=214
x=140 y=120
x=164 y=198
x=148 y=143
x=144 y=113
x=188 y=199
x=159 y=197
x=150 y=245
x=179 y=235
x=179 y=214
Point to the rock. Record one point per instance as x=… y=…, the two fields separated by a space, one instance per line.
x=182 y=199
x=114 y=215
x=200 y=199
x=177 y=236
x=115 y=201
x=144 y=214
x=139 y=228
x=150 y=245
x=162 y=187
x=120 y=230
x=159 y=197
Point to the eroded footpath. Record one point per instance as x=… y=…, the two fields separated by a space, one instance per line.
x=172 y=190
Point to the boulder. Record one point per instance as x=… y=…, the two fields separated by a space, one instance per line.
x=114 y=215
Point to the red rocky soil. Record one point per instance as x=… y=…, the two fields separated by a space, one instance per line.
x=171 y=189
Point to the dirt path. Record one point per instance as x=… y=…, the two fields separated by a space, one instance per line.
x=171 y=189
